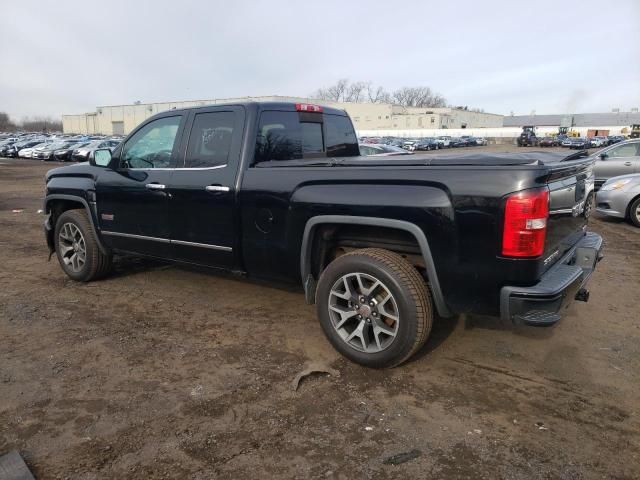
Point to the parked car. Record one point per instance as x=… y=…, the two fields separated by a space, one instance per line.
x=379 y=250
x=481 y=141
x=579 y=143
x=468 y=141
x=618 y=159
x=620 y=197
x=83 y=153
x=611 y=139
x=426 y=144
x=29 y=151
x=397 y=142
x=445 y=141
x=548 y=142
x=13 y=150
x=64 y=154
x=48 y=153
x=6 y=144
x=455 y=142
x=381 y=150
x=598 y=142
x=409 y=145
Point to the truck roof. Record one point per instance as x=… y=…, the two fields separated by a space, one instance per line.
x=266 y=105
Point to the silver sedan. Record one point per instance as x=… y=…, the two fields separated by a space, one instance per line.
x=620 y=197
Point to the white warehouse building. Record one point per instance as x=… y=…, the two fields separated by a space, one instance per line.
x=121 y=119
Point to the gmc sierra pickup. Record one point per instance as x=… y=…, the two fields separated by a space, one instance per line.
x=279 y=191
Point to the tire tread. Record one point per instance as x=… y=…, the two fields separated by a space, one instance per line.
x=415 y=287
x=100 y=264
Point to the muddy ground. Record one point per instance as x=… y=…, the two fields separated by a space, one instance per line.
x=164 y=372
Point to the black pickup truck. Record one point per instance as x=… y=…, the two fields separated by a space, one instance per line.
x=279 y=191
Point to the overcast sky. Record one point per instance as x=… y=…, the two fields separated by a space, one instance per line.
x=551 y=57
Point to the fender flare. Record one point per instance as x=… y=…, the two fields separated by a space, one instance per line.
x=75 y=198
x=305 y=252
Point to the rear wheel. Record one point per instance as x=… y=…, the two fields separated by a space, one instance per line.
x=634 y=212
x=77 y=248
x=374 y=307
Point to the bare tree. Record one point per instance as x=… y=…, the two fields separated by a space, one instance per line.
x=355 y=92
x=334 y=93
x=379 y=95
x=41 y=124
x=418 y=97
x=35 y=124
x=365 y=92
x=6 y=125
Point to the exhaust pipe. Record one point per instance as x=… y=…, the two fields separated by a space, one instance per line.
x=582 y=295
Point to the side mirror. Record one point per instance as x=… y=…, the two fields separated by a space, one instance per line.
x=604 y=156
x=101 y=158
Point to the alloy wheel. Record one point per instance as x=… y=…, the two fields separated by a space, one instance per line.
x=72 y=247
x=364 y=312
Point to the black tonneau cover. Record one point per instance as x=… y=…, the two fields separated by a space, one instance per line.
x=470 y=159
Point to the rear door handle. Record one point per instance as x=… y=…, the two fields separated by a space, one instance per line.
x=155 y=186
x=628 y=164
x=216 y=188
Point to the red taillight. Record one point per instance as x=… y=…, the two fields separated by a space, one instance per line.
x=307 y=107
x=525 y=223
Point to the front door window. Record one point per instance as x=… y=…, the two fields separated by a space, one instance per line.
x=152 y=145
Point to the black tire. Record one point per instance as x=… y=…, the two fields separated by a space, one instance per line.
x=96 y=264
x=634 y=212
x=588 y=205
x=409 y=291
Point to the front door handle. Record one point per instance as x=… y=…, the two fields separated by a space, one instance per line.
x=155 y=186
x=216 y=188
x=628 y=164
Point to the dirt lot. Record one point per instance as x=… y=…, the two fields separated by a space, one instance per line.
x=162 y=372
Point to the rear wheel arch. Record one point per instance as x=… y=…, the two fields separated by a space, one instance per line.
x=313 y=259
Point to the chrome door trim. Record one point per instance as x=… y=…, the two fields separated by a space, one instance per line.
x=216 y=188
x=138 y=237
x=166 y=240
x=155 y=186
x=177 y=168
x=202 y=245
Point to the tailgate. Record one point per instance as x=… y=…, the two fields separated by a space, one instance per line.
x=569 y=185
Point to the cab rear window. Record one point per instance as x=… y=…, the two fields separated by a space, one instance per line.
x=297 y=135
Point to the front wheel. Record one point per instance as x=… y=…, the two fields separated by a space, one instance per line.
x=588 y=205
x=77 y=248
x=374 y=307
x=634 y=212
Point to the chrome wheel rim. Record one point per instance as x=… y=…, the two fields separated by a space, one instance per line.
x=364 y=312
x=72 y=247
x=638 y=212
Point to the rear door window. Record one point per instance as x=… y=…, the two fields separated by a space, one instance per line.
x=210 y=140
x=294 y=135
